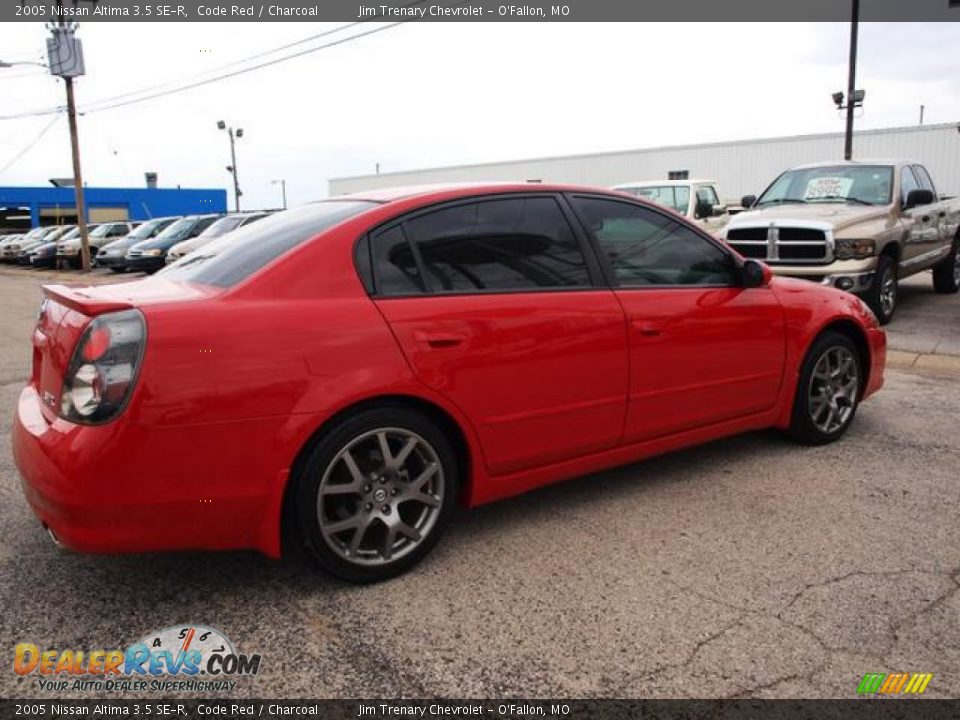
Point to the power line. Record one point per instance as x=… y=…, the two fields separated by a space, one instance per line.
x=31 y=144
x=201 y=83
x=233 y=63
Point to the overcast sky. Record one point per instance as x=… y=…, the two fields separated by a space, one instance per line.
x=423 y=95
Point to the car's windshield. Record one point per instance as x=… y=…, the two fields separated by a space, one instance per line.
x=101 y=231
x=675 y=197
x=148 y=229
x=74 y=233
x=222 y=226
x=860 y=184
x=180 y=229
x=59 y=234
x=253 y=246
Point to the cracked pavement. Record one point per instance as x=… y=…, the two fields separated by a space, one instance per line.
x=750 y=567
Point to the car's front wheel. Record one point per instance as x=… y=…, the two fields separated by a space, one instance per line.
x=375 y=493
x=829 y=390
x=883 y=295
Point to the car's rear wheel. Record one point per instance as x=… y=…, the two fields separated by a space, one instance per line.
x=829 y=390
x=946 y=273
x=375 y=493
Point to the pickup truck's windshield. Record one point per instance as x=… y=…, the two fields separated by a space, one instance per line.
x=860 y=184
x=675 y=197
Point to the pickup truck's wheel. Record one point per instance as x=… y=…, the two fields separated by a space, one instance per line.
x=946 y=273
x=376 y=493
x=882 y=296
x=828 y=391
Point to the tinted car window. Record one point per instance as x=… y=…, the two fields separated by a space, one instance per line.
x=498 y=245
x=397 y=269
x=647 y=248
x=251 y=248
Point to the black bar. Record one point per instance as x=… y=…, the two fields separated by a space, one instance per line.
x=852 y=709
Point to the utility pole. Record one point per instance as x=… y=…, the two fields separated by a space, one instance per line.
x=233 y=159
x=65 y=54
x=77 y=178
x=851 y=79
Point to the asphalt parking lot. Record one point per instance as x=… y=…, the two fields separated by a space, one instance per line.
x=748 y=567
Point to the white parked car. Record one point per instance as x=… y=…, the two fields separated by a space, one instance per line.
x=221 y=227
x=103 y=234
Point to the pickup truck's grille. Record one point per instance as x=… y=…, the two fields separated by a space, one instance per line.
x=791 y=234
x=773 y=244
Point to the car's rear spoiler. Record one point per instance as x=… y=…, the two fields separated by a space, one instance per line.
x=80 y=299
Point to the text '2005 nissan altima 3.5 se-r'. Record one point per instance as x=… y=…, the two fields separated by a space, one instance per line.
x=349 y=372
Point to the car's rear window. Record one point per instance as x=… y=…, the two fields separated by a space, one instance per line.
x=238 y=255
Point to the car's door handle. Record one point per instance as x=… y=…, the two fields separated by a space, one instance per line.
x=646 y=328
x=438 y=340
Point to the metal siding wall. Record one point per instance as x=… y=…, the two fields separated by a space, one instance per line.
x=740 y=168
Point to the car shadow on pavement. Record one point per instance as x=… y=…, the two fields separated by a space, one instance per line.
x=157 y=577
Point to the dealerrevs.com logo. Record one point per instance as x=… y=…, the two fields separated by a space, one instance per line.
x=185 y=658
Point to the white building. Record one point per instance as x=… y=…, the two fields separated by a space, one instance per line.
x=740 y=167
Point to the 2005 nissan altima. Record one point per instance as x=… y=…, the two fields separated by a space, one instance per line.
x=348 y=372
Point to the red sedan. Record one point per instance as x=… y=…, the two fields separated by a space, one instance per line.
x=348 y=372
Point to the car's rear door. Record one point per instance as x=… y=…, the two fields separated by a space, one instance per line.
x=703 y=350
x=496 y=305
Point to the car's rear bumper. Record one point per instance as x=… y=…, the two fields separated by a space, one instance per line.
x=121 y=487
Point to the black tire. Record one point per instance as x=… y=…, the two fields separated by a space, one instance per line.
x=804 y=426
x=117 y=269
x=946 y=273
x=874 y=297
x=325 y=459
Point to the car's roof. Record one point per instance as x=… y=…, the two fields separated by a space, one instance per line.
x=854 y=163
x=386 y=195
x=662 y=183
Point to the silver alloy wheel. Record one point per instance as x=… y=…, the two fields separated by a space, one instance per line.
x=834 y=386
x=380 y=496
x=888 y=291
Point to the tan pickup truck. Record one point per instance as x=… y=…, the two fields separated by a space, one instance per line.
x=859 y=226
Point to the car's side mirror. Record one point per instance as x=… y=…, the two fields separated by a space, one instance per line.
x=703 y=210
x=755 y=274
x=748 y=201
x=919 y=197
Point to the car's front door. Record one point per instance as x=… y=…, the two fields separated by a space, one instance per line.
x=494 y=305
x=922 y=236
x=703 y=349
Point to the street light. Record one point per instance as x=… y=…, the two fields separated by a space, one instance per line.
x=232 y=168
x=283 y=189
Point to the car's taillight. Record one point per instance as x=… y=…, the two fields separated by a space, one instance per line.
x=103 y=370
